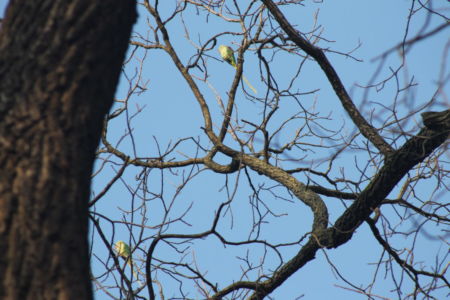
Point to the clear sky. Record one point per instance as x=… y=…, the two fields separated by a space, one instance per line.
x=170 y=112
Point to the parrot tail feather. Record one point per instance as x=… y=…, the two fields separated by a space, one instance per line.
x=249 y=85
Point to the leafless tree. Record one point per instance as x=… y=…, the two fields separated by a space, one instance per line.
x=296 y=180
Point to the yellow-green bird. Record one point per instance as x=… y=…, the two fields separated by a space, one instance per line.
x=124 y=251
x=228 y=55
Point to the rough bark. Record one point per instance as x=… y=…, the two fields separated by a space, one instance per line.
x=59 y=66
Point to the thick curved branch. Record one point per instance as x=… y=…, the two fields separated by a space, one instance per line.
x=299 y=189
x=414 y=151
x=403 y=160
x=366 y=129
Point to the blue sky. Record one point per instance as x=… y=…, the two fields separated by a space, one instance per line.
x=170 y=112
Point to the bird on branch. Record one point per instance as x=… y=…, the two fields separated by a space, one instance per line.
x=123 y=250
x=228 y=55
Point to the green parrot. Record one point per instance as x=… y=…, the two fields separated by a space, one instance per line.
x=228 y=55
x=124 y=251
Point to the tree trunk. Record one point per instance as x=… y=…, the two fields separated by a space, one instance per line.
x=59 y=66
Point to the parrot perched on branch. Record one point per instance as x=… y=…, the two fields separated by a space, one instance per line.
x=228 y=55
x=124 y=251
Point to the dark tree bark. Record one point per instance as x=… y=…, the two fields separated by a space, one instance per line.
x=59 y=67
